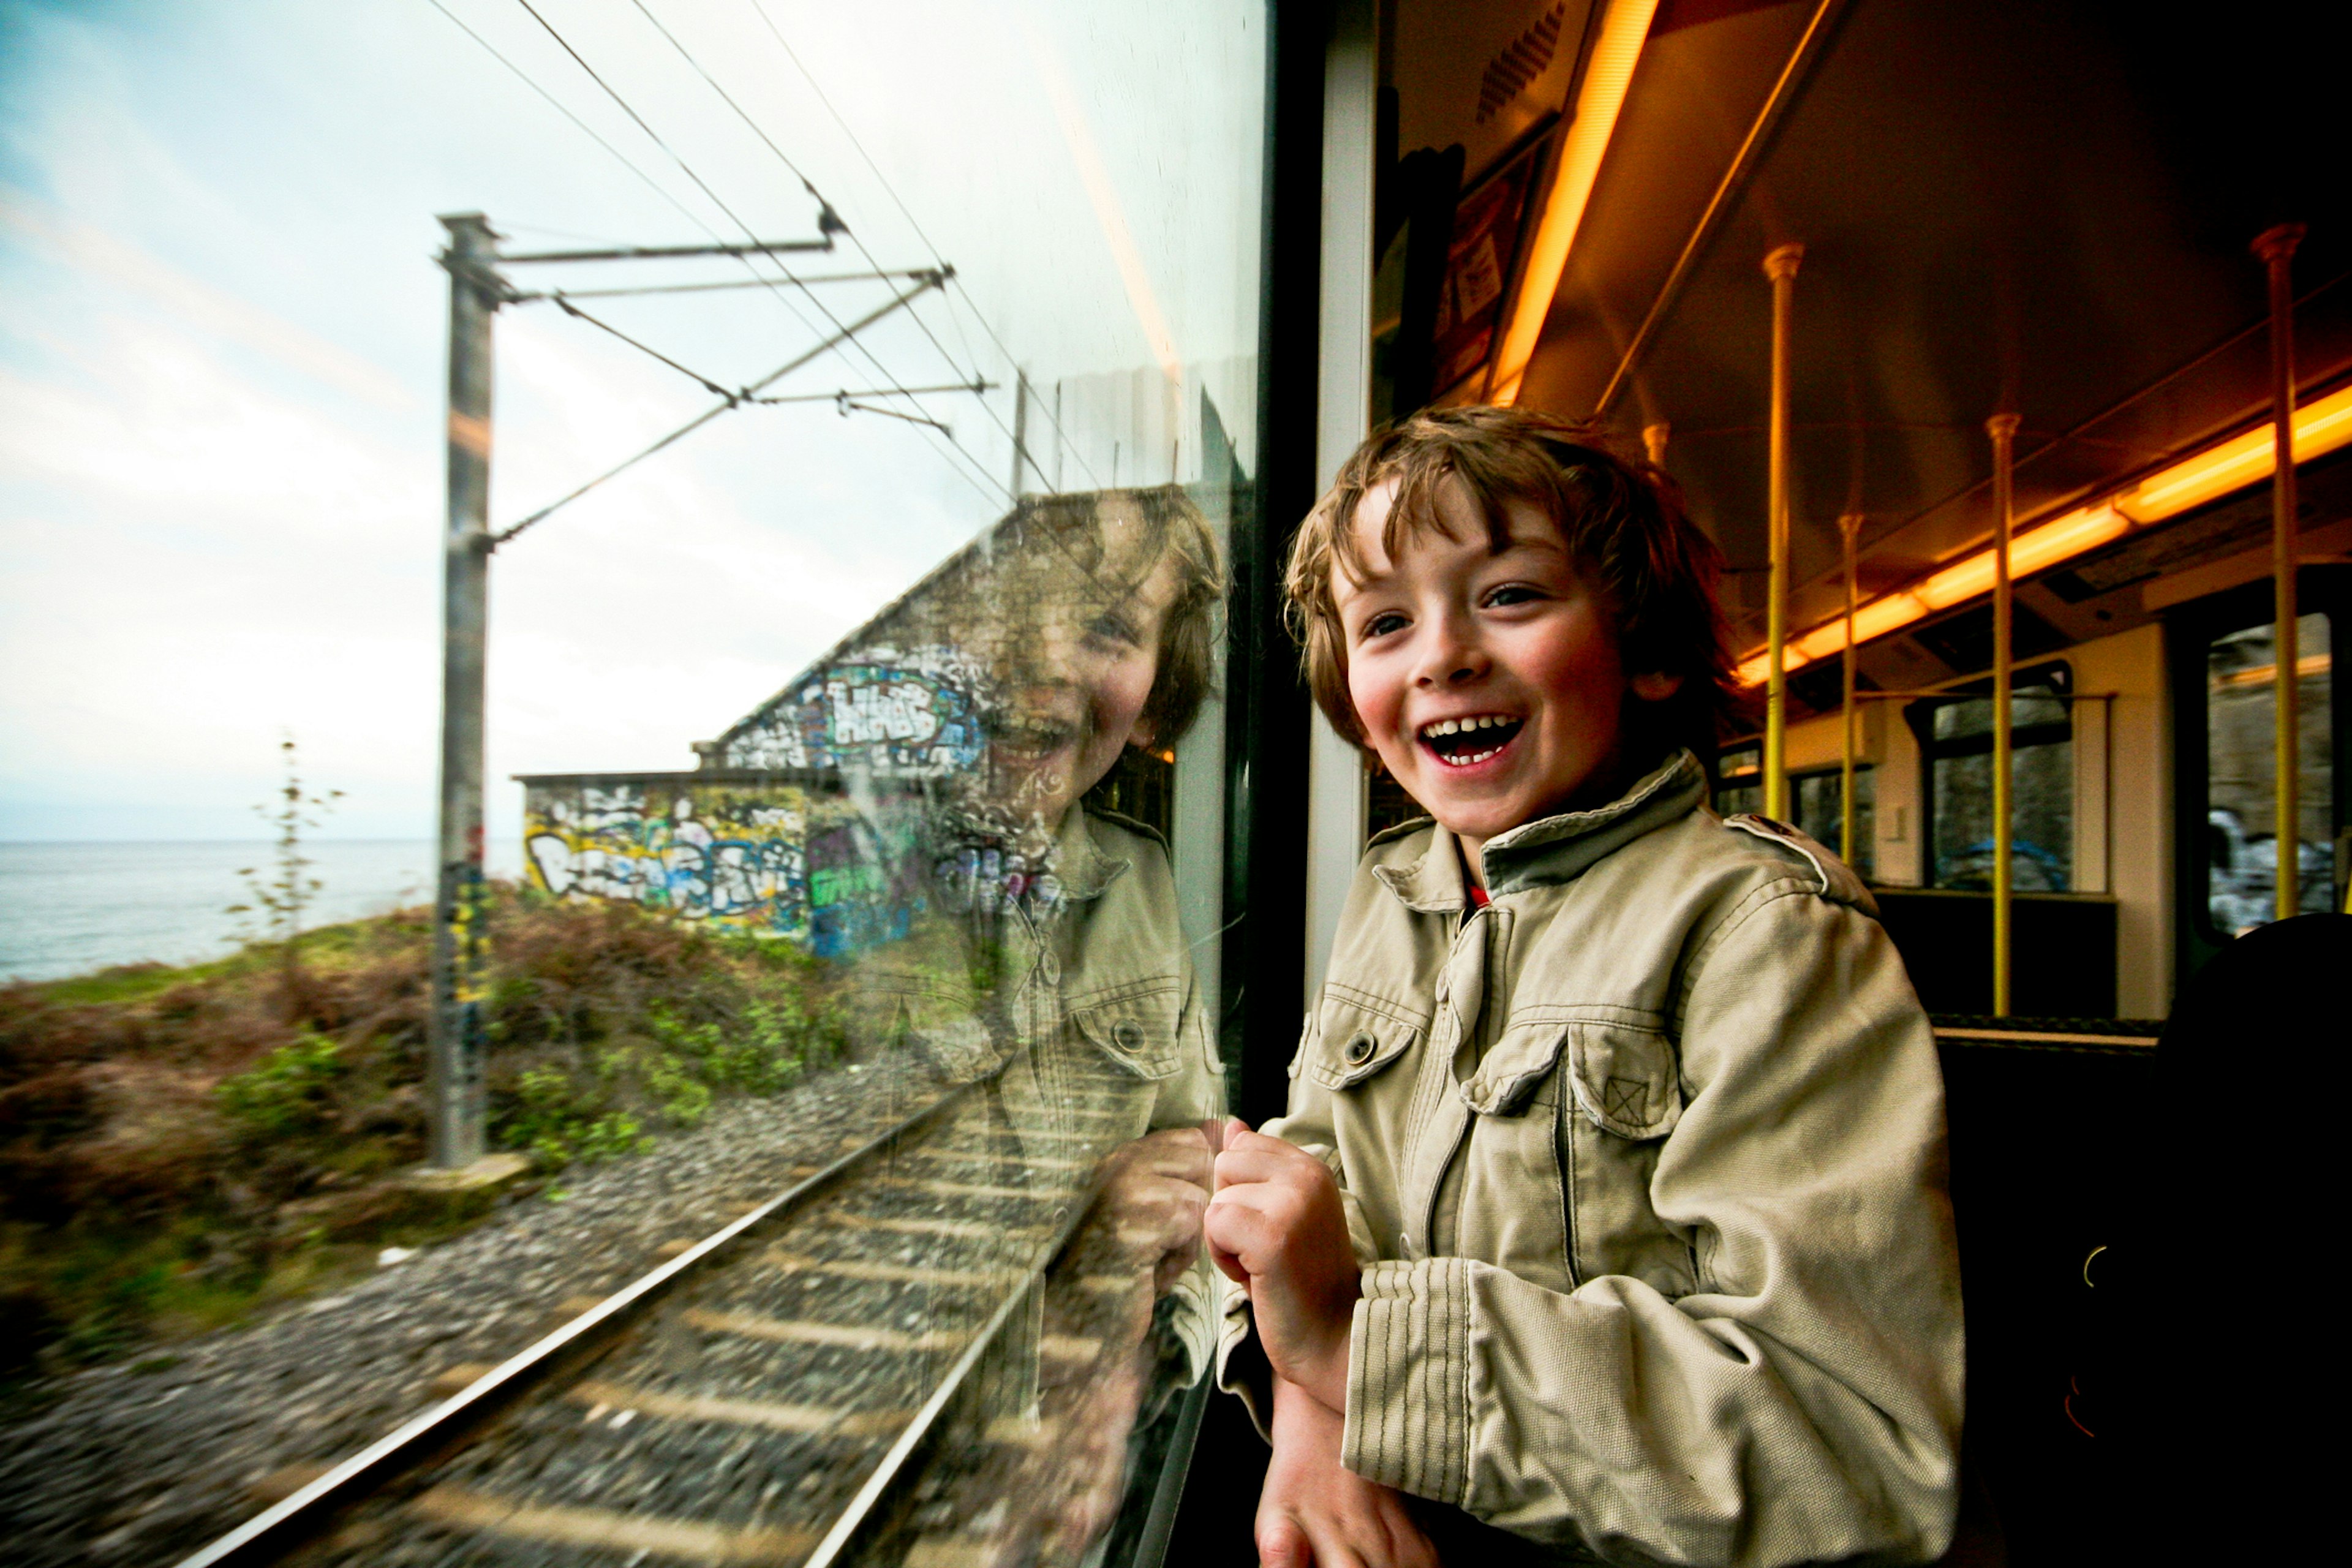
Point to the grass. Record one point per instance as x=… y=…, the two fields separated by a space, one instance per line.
x=181 y=1147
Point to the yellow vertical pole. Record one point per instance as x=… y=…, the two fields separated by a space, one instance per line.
x=1850 y=535
x=1780 y=267
x=2004 y=430
x=2276 y=247
x=1654 y=441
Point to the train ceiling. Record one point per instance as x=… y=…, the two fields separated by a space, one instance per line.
x=2005 y=204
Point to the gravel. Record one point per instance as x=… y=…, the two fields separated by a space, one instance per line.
x=127 y=1466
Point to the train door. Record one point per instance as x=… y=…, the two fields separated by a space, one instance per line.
x=2224 y=678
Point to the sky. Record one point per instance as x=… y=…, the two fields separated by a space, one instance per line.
x=223 y=340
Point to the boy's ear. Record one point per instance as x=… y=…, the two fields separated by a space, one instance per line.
x=1144 y=734
x=1656 y=686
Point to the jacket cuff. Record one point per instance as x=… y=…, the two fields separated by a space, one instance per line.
x=1407 y=1379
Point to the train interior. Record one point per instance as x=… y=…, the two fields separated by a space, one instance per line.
x=2048 y=211
x=1970 y=333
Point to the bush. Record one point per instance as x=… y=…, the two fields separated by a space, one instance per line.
x=179 y=1146
x=291 y=1090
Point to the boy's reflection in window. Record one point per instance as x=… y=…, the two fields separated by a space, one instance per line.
x=1049 y=955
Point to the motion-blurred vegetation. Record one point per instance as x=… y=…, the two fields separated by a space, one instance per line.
x=180 y=1146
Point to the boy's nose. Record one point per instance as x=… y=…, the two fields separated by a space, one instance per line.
x=1450 y=657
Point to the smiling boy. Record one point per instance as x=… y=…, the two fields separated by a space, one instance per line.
x=1609 y=1216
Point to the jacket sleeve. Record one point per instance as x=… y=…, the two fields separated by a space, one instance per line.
x=1803 y=1403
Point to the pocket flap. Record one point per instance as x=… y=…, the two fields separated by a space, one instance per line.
x=1357 y=1042
x=1625 y=1079
x=1518 y=1062
x=1138 y=1032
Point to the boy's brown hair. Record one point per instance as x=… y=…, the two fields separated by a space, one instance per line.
x=1623 y=526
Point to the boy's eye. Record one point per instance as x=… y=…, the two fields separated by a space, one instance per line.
x=1512 y=593
x=1381 y=625
x=1113 y=627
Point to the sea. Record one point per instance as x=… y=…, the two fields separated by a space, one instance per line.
x=71 y=909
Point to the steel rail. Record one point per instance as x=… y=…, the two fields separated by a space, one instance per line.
x=847 y=1528
x=284 y=1524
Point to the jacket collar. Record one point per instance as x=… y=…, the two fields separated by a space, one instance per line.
x=1080 y=863
x=1549 y=849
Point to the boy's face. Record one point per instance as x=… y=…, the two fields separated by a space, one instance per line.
x=1450 y=632
x=1072 y=690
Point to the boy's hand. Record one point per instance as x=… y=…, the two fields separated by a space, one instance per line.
x=1317 y=1513
x=1154 y=1190
x=1276 y=1225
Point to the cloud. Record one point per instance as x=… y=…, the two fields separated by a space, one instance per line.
x=101 y=255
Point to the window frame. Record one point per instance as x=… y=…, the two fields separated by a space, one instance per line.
x=2188 y=630
x=2055 y=673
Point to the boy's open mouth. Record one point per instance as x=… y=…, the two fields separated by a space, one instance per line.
x=1023 y=741
x=1459 y=743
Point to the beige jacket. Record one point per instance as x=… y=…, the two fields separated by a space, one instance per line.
x=1044 y=992
x=1645 y=1166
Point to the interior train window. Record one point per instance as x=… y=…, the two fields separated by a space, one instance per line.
x=1814 y=798
x=1814 y=801
x=1955 y=733
x=1740 y=780
x=2242 y=849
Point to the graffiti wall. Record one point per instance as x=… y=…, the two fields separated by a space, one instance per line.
x=876 y=714
x=767 y=859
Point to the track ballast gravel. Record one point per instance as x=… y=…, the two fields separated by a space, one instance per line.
x=125 y=1467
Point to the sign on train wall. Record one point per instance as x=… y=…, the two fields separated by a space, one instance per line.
x=773 y=860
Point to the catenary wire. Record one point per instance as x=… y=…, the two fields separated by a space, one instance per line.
x=891 y=191
x=626 y=108
x=557 y=105
x=794 y=170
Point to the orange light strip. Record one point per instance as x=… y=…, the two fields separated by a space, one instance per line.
x=1607 y=75
x=2321 y=426
x=2305 y=667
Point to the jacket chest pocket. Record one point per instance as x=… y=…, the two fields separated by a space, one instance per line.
x=1138 y=1032
x=1354 y=1043
x=1623 y=1097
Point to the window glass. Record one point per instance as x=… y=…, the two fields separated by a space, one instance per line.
x=1740 y=780
x=2240 y=756
x=1812 y=799
x=1815 y=798
x=1956 y=735
x=864 y=400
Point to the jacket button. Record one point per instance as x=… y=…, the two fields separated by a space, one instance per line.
x=1359 y=1050
x=1127 y=1034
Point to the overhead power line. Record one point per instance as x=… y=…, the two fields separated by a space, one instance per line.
x=728 y=401
x=587 y=130
x=891 y=191
x=987 y=481
x=795 y=171
x=909 y=273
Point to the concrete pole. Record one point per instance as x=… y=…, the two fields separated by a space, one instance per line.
x=2276 y=247
x=1850 y=536
x=1020 y=429
x=461 y=902
x=1780 y=267
x=2002 y=428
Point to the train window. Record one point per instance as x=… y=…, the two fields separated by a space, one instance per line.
x=1740 y=780
x=1813 y=799
x=1955 y=734
x=2241 y=760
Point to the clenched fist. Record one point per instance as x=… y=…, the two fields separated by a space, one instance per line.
x=1276 y=1225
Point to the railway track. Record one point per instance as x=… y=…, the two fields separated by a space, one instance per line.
x=924 y=1353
